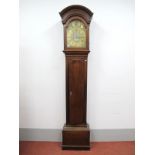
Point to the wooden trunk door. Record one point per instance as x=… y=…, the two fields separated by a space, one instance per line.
x=77 y=74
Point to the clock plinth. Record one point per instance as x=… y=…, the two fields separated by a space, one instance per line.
x=76 y=132
x=76 y=137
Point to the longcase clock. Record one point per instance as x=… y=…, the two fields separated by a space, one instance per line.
x=76 y=20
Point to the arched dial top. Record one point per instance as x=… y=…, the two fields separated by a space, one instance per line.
x=76 y=34
x=76 y=20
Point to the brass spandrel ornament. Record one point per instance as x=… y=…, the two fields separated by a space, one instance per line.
x=76 y=35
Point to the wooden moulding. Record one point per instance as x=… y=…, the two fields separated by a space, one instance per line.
x=76 y=10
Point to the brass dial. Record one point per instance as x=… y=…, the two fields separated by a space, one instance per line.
x=76 y=34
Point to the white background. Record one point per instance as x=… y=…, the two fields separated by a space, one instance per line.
x=110 y=95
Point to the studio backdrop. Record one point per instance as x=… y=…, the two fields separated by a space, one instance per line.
x=110 y=71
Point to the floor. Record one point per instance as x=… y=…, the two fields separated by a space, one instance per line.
x=97 y=148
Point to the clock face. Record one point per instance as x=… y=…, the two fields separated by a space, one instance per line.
x=76 y=35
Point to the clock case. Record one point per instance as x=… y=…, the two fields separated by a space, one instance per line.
x=76 y=132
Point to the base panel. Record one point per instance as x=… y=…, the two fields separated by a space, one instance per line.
x=70 y=147
x=76 y=138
